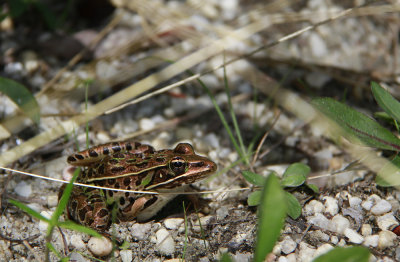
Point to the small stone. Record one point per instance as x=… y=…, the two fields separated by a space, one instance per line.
x=370 y=202
x=306 y=252
x=371 y=241
x=323 y=249
x=319 y=235
x=126 y=255
x=146 y=124
x=204 y=221
x=366 y=229
x=320 y=221
x=100 y=247
x=334 y=240
x=165 y=244
x=355 y=202
x=23 y=189
x=139 y=231
x=288 y=245
x=277 y=249
x=76 y=257
x=318 y=45
x=52 y=200
x=173 y=223
x=386 y=222
x=222 y=212
x=386 y=239
x=42 y=224
x=380 y=208
x=331 y=205
x=76 y=241
x=353 y=236
x=313 y=207
x=340 y=223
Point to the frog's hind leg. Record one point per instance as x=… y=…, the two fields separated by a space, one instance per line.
x=88 y=207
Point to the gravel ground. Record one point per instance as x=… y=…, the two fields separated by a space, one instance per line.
x=337 y=59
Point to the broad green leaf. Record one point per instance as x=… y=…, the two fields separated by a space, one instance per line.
x=386 y=101
x=313 y=188
x=389 y=175
x=357 y=124
x=295 y=175
x=254 y=198
x=254 y=178
x=21 y=96
x=345 y=254
x=28 y=210
x=272 y=213
x=73 y=226
x=225 y=258
x=293 y=206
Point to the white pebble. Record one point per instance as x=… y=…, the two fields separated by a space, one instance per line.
x=165 y=244
x=126 y=255
x=334 y=240
x=23 y=189
x=331 y=205
x=340 y=223
x=317 y=44
x=320 y=221
x=323 y=249
x=198 y=225
x=42 y=224
x=355 y=202
x=306 y=252
x=173 y=223
x=366 y=229
x=381 y=208
x=77 y=242
x=146 y=124
x=314 y=207
x=139 y=231
x=370 y=202
x=353 y=236
x=386 y=239
x=385 y=222
x=100 y=246
x=212 y=140
x=288 y=245
x=371 y=241
x=52 y=200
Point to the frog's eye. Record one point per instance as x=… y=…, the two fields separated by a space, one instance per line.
x=178 y=165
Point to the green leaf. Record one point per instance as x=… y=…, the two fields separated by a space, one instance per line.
x=17 y=7
x=225 y=258
x=21 y=96
x=389 y=175
x=28 y=210
x=254 y=178
x=354 y=123
x=345 y=254
x=295 y=175
x=254 y=198
x=313 y=188
x=293 y=205
x=386 y=101
x=272 y=213
x=73 y=226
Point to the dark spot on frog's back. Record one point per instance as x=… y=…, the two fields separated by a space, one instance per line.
x=79 y=156
x=93 y=153
x=117 y=169
x=127 y=181
x=128 y=146
x=122 y=201
x=142 y=165
x=113 y=161
x=106 y=151
x=150 y=202
x=71 y=159
x=160 y=159
x=103 y=212
x=115 y=147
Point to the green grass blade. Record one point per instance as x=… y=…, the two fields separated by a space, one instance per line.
x=356 y=124
x=64 y=198
x=345 y=254
x=53 y=249
x=74 y=226
x=272 y=213
x=21 y=96
x=28 y=210
x=386 y=101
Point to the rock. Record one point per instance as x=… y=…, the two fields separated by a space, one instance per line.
x=306 y=252
x=331 y=205
x=100 y=247
x=42 y=224
x=126 y=255
x=355 y=202
x=139 y=231
x=76 y=241
x=146 y=124
x=173 y=223
x=380 y=208
x=334 y=240
x=52 y=200
x=353 y=236
x=386 y=222
x=322 y=249
x=340 y=223
x=386 y=239
x=165 y=244
x=23 y=189
x=204 y=221
x=318 y=45
x=288 y=245
x=222 y=212
x=320 y=221
x=366 y=229
x=313 y=207
x=370 y=202
x=371 y=241
x=76 y=257
x=319 y=235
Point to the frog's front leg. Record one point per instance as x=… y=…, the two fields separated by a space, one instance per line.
x=88 y=207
